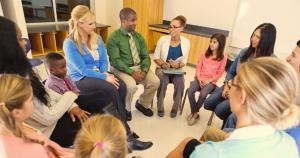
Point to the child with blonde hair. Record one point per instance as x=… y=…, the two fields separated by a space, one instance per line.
x=15 y=107
x=101 y=136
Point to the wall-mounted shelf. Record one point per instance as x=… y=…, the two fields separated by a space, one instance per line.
x=50 y=38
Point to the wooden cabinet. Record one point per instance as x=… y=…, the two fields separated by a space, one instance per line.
x=45 y=39
x=148 y=12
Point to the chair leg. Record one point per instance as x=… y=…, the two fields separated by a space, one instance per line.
x=210 y=118
x=152 y=104
x=183 y=102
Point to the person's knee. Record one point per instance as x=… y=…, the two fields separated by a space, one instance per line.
x=202 y=96
x=222 y=113
x=111 y=91
x=131 y=88
x=209 y=103
x=155 y=82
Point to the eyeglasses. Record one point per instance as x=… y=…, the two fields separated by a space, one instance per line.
x=230 y=84
x=173 y=27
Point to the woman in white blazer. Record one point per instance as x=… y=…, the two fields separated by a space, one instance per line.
x=171 y=53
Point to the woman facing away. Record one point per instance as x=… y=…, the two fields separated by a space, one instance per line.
x=261 y=95
x=262 y=43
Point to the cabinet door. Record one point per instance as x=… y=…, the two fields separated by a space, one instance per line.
x=148 y=12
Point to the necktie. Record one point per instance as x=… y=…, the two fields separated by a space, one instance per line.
x=134 y=52
x=67 y=84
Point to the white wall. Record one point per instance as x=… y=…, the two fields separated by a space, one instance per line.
x=113 y=9
x=240 y=17
x=100 y=10
x=218 y=14
x=283 y=14
x=1 y=12
x=13 y=10
x=107 y=12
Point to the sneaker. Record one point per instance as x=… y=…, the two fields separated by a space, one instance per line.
x=194 y=120
x=189 y=117
x=146 y=111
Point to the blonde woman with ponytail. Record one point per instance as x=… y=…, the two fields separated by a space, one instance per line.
x=18 y=138
x=87 y=65
x=102 y=136
x=261 y=96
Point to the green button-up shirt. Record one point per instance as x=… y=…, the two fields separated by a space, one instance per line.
x=119 y=51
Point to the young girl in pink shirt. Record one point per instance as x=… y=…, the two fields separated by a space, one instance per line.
x=18 y=138
x=210 y=68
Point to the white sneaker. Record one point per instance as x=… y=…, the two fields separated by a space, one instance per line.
x=189 y=117
x=193 y=120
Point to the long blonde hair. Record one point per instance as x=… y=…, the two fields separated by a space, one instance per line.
x=14 y=91
x=271 y=86
x=101 y=136
x=81 y=13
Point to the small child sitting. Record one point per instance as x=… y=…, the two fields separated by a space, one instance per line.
x=58 y=79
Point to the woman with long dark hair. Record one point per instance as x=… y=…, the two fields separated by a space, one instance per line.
x=51 y=110
x=262 y=43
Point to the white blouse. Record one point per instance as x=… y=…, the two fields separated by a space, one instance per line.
x=163 y=45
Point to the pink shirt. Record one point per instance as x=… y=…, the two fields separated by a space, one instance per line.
x=17 y=147
x=208 y=68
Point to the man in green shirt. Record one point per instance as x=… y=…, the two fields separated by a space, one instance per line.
x=130 y=60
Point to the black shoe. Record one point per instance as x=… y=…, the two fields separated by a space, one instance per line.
x=173 y=113
x=128 y=116
x=135 y=144
x=135 y=135
x=148 y=112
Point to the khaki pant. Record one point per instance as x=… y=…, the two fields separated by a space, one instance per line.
x=213 y=134
x=150 y=83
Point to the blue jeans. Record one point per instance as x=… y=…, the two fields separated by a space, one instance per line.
x=231 y=121
x=215 y=102
x=194 y=87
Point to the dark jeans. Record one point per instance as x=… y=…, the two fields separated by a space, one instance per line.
x=194 y=87
x=215 y=102
x=231 y=121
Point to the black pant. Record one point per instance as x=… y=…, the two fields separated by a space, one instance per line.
x=65 y=131
x=96 y=94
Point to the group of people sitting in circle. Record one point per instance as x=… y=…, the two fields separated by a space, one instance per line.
x=60 y=117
